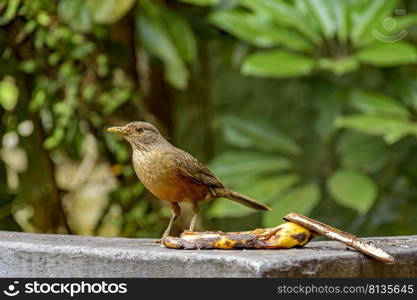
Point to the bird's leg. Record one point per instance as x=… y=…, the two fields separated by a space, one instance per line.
x=176 y=212
x=196 y=210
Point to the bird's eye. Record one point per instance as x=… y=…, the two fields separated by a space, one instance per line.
x=139 y=130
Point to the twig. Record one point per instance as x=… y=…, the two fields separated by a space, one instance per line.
x=351 y=240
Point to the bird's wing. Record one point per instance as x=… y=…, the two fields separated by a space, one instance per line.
x=191 y=168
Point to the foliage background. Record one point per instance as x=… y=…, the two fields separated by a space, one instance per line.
x=307 y=105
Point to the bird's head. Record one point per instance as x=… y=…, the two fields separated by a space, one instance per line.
x=141 y=135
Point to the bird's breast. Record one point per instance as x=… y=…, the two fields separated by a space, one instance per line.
x=159 y=174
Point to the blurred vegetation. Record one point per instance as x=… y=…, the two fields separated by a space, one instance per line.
x=306 y=105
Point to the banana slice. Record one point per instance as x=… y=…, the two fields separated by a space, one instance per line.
x=296 y=232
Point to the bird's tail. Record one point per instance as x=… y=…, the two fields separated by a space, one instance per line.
x=242 y=199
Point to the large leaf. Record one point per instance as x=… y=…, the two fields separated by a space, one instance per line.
x=249 y=135
x=370 y=17
x=339 y=66
x=329 y=105
x=258 y=30
x=263 y=189
x=255 y=174
x=377 y=104
x=267 y=188
x=352 y=189
x=231 y=166
x=76 y=13
x=165 y=43
x=342 y=19
x=393 y=29
x=284 y=14
x=277 y=63
x=362 y=152
x=10 y=11
x=80 y=14
x=390 y=128
x=109 y=11
x=301 y=199
x=181 y=34
x=383 y=54
x=324 y=13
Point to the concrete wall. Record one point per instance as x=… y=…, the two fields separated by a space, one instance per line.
x=42 y=255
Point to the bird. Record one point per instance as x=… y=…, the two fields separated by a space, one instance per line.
x=174 y=175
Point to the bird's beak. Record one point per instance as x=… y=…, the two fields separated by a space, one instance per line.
x=118 y=130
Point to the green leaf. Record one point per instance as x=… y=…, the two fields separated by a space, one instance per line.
x=9 y=93
x=263 y=189
x=115 y=146
x=339 y=66
x=152 y=22
x=377 y=104
x=406 y=87
x=258 y=30
x=362 y=152
x=223 y=208
x=323 y=12
x=109 y=11
x=352 y=189
x=43 y=19
x=329 y=104
x=76 y=13
x=403 y=22
x=308 y=16
x=370 y=17
x=301 y=199
x=267 y=188
x=229 y=166
x=202 y=2
x=284 y=14
x=55 y=139
x=255 y=174
x=181 y=34
x=391 y=129
x=250 y=135
x=342 y=19
x=10 y=12
x=394 y=28
x=383 y=54
x=277 y=63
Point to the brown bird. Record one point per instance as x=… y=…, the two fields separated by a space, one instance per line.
x=173 y=175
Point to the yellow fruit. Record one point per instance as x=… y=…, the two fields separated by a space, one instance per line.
x=287 y=235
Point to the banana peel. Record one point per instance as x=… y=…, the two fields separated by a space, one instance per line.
x=285 y=236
